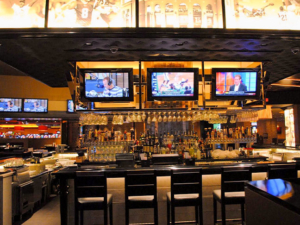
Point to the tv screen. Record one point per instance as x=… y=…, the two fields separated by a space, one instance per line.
x=235 y=84
x=171 y=84
x=70 y=106
x=36 y=105
x=104 y=85
x=10 y=105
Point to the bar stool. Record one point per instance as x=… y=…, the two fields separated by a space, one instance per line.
x=186 y=190
x=141 y=192
x=91 y=194
x=232 y=190
x=282 y=171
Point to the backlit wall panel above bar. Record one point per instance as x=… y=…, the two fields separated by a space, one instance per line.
x=261 y=14
x=92 y=13
x=181 y=14
x=22 y=13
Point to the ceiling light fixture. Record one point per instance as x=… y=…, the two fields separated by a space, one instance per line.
x=89 y=44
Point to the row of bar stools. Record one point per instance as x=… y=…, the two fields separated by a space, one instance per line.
x=140 y=192
x=186 y=190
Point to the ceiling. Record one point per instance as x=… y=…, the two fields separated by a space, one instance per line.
x=48 y=54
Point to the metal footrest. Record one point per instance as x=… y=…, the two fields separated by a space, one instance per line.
x=141 y=223
x=185 y=222
x=230 y=220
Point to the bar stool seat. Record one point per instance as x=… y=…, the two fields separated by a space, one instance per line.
x=236 y=195
x=95 y=200
x=183 y=197
x=141 y=198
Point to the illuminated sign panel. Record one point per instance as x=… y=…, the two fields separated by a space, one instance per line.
x=22 y=13
x=92 y=13
x=289 y=127
x=181 y=14
x=257 y=14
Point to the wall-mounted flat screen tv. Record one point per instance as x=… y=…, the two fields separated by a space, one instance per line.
x=107 y=85
x=235 y=84
x=172 y=84
x=10 y=105
x=35 y=105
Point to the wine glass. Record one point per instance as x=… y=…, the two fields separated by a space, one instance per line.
x=183 y=117
x=174 y=117
x=154 y=118
x=133 y=117
x=178 y=117
x=189 y=118
x=144 y=117
x=114 y=119
x=120 y=119
x=170 y=119
x=139 y=118
x=128 y=119
x=159 y=117
x=149 y=118
x=165 y=119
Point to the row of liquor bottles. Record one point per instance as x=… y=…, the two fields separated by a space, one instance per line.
x=229 y=133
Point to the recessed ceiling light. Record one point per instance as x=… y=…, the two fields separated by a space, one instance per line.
x=89 y=44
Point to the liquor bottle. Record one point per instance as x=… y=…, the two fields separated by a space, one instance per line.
x=161 y=139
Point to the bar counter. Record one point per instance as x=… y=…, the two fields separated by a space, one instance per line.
x=211 y=181
x=274 y=201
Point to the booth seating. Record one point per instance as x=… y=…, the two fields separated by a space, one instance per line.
x=282 y=171
x=141 y=192
x=232 y=190
x=186 y=190
x=91 y=194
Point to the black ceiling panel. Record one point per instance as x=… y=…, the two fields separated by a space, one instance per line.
x=45 y=55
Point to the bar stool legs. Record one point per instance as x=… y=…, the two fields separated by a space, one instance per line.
x=223 y=214
x=215 y=211
x=127 y=215
x=168 y=213
x=110 y=214
x=243 y=213
x=156 y=214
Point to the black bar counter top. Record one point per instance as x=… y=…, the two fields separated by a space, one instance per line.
x=284 y=192
x=164 y=170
